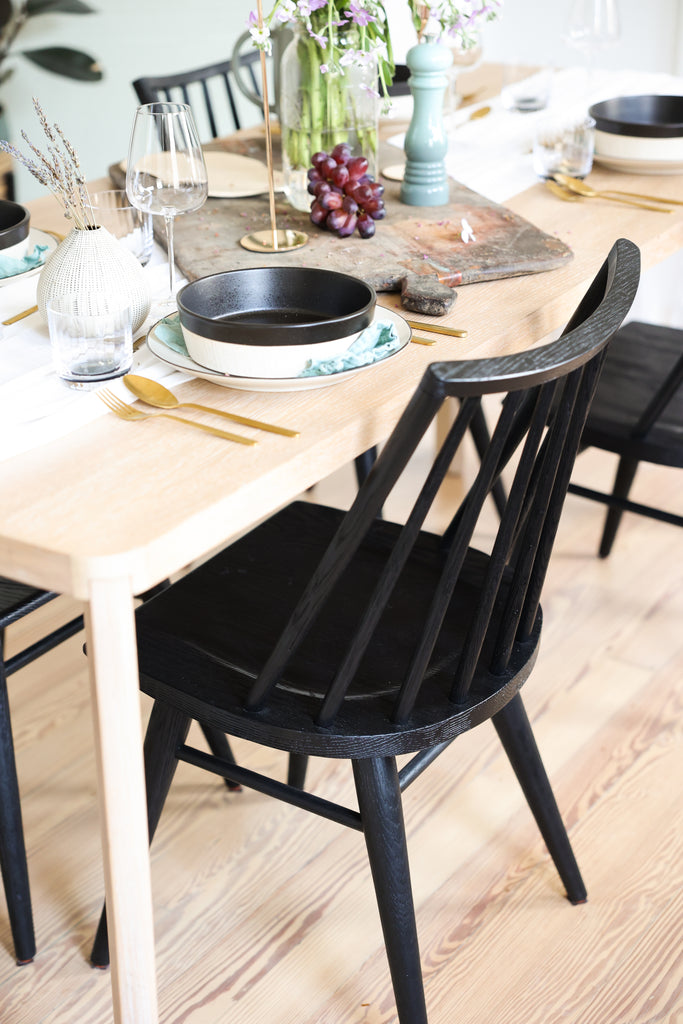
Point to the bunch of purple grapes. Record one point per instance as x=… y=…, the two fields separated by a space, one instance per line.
x=346 y=196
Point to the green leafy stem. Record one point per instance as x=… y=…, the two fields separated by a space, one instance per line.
x=61 y=60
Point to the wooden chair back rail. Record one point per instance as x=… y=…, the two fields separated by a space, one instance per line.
x=544 y=412
x=170 y=87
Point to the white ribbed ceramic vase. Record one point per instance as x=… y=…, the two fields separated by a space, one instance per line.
x=92 y=260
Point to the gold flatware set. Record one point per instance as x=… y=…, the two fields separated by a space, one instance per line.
x=564 y=186
x=160 y=397
x=418 y=325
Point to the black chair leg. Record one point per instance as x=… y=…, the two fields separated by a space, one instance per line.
x=296 y=773
x=220 y=747
x=166 y=731
x=12 y=850
x=481 y=437
x=514 y=730
x=364 y=464
x=379 y=799
x=626 y=470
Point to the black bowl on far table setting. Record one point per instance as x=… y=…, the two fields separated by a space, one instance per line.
x=640 y=134
x=15 y=221
x=269 y=321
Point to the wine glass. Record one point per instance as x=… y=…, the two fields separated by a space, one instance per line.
x=166 y=173
x=592 y=25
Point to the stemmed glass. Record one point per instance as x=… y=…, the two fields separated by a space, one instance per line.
x=592 y=25
x=166 y=173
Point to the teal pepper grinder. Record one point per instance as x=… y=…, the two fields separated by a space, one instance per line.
x=425 y=182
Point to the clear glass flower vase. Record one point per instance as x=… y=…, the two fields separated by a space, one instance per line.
x=321 y=105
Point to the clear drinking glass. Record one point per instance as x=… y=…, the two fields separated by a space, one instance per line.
x=91 y=338
x=132 y=227
x=564 y=144
x=592 y=25
x=166 y=174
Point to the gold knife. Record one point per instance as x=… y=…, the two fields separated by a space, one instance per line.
x=19 y=316
x=419 y=325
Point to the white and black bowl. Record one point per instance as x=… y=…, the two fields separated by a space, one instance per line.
x=640 y=130
x=271 y=321
x=15 y=222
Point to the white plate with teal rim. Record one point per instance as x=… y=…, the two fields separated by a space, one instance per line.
x=47 y=243
x=180 y=360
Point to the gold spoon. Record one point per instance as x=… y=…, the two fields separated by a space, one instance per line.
x=579 y=185
x=153 y=393
x=562 y=193
x=574 y=185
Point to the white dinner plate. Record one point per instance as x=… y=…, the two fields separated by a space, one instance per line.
x=232 y=176
x=634 y=165
x=35 y=237
x=187 y=365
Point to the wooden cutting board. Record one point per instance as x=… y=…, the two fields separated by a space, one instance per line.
x=416 y=250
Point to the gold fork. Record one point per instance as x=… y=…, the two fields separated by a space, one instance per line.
x=127 y=412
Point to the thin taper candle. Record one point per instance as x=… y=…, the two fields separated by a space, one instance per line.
x=269 y=140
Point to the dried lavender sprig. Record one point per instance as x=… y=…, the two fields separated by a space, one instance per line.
x=60 y=171
x=74 y=181
x=38 y=172
x=79 y=176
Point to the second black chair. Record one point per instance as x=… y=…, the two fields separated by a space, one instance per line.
x=16 y=601
x=343 y=635
x=638 y=415
x=210 y=91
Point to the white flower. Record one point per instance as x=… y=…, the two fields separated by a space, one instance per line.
x=261 y=37
x=467 y=234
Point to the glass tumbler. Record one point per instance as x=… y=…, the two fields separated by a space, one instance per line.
x=91 y=339
x=564 y=145
x=132 y=227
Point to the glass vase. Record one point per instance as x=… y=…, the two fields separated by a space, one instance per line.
x=322 y=105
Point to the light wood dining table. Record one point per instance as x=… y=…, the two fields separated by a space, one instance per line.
x=109 y=511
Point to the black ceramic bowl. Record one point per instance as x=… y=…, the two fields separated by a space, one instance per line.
x=14 y=226
x=269 y=321
x=647 y=129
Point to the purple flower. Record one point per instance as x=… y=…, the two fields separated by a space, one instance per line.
x=359 y=15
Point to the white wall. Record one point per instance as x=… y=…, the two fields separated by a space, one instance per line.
x=143 y=37
x=130 y=38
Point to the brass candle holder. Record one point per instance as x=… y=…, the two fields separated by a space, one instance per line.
x=270 y=240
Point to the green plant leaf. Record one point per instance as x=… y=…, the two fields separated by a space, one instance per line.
x=5 y=12
x=35 y=7
x=63 y=61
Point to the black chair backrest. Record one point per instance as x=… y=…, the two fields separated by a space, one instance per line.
x=548 y=391
x=210 y=92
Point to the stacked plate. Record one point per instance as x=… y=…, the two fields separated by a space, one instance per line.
x=271 y=321
x=639 y=134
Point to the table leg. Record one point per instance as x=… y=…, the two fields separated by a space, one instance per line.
x=112 y=656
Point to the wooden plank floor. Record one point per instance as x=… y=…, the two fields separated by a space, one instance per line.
x=265 y=914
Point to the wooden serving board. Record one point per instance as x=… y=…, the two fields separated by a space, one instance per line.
x=416 y=250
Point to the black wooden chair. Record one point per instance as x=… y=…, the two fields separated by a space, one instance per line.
x=210 y=92
x=638 y=414
x=343 y=635
x=16 y=601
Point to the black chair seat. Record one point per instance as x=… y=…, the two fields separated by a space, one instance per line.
x=208 y=636
x=18 y=599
